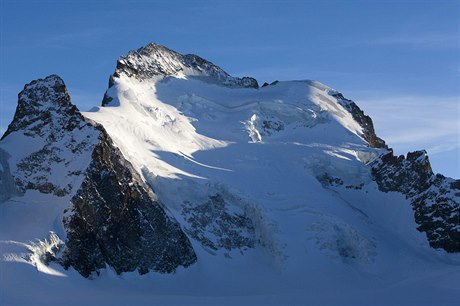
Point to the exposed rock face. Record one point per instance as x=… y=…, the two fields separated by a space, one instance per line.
x=435 y=198
x=155 y=60
x=42 y=104
x=56 y=136
x=363 y=120
x=114 y=218
x=208 y=69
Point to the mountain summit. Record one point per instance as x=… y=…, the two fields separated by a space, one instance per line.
x=155 y=60
x=213 y=184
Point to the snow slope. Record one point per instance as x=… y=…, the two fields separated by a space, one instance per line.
x=267 y=151
x=271 y=185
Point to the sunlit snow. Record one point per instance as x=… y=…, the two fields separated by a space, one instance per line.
x=267 y=152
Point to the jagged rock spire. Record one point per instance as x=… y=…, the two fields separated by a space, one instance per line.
x=39 y=103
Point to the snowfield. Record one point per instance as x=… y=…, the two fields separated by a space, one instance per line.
x=283 y=169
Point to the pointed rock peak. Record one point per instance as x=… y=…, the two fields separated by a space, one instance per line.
x=421 y=161
x=420 y=155
x=154 y=48
x=43 y=92
x=149 y=61
x=155 y=60
x=41 y=102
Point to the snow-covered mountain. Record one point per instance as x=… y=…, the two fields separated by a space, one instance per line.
x=222 y=190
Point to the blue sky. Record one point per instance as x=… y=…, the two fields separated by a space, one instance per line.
x=399 y=60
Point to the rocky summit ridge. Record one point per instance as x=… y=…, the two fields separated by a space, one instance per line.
x=155 y=60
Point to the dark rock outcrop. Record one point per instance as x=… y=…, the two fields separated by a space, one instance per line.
x=435 y=198
x=364 y=121
x=115 y=220
x=40 y=104
x=216 y=73
x=57 y=136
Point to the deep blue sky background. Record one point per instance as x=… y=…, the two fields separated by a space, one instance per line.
x=399 y=60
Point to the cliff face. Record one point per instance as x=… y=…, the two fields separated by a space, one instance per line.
x=365 y=121
x=49 y=139
x=115 y=220
x=113 y=217
x=435 y=198
x=43 y=104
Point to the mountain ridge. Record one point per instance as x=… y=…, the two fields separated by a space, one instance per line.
x=157 y=60
x=193 y=174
